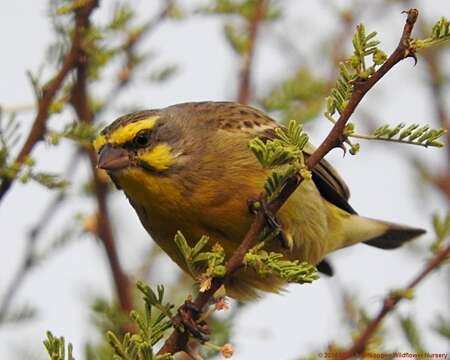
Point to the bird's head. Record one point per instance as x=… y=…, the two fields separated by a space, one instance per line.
x=170 y=143
x=142 y=142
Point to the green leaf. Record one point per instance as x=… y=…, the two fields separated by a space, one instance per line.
x=441 y=225
x=354 y=68
x=122 y=16
x=298 y=97
x=440 y=33
x=275 y=264
x=442 y=327
x=412 y=334
x=151 y=327
x=56 y=348
x=163 y=74
x=285 y=149
x=238 y=41
x=50 y=181
x=276 y=180
x=412 y=134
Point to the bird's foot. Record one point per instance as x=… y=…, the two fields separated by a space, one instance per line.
x=254 y=204
x=273 y=222
x=220 y=303
x=188 y=319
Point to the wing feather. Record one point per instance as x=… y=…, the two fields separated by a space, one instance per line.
x=234 y=117
x=330 y=185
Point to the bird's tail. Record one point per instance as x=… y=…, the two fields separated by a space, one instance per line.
x=377 y=233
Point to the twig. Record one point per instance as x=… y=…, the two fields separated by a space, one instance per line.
x=28 y=261
x=49 y=91
x=132 y=41
x=347 y=22
x=362 y=87
x=17 y=279
x=178 y=339
x=245 y=94
x=17 y=108
x=389 y=304
x=436 y=81
x=436 y=77
x=79 y=101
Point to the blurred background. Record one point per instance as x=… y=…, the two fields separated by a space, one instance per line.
x=55 y=272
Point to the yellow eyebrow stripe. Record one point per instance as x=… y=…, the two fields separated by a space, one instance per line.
x=99 y=141
x=125 y=133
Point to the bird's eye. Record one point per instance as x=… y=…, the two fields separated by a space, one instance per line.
x=142 y=139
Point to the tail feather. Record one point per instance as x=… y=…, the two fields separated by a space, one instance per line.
x=377 y=233
x=325 y=267
x=394 y=237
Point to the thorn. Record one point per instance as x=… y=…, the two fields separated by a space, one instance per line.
x=340 y=144
x=413 y=55
x=344 y=149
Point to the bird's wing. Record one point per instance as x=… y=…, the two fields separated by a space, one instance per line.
x=233 y=117
x=330 y=185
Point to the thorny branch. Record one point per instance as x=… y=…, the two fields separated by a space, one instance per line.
x=245 y=93
x=436 y=80
x=79 y=101
x=443 y=182
x=389 y=304
x=124 y=77
x=402 y=51
x=347 y=20
x=132 y=41
x=29 y=257
x=50 y=90
x=177 y=340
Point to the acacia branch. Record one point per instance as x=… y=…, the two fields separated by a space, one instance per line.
x=79 y=101
x=28 y=261
x=177 y=340
x=347 y=19
x=245 y=93
x=49 y=92
x=133 y=39
x=437 y=87
x=437 y=84
x=360 y=88
x=389 y=304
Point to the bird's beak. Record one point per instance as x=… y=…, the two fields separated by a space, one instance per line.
x=111 y=158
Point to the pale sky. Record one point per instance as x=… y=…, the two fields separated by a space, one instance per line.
x=303 y=320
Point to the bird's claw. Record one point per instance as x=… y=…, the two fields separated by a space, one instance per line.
x=187 y=318
x=260 y=204
x=271 y=218
x=254 y=204
x=274 y=223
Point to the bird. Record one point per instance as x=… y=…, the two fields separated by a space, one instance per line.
x=188 y=168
